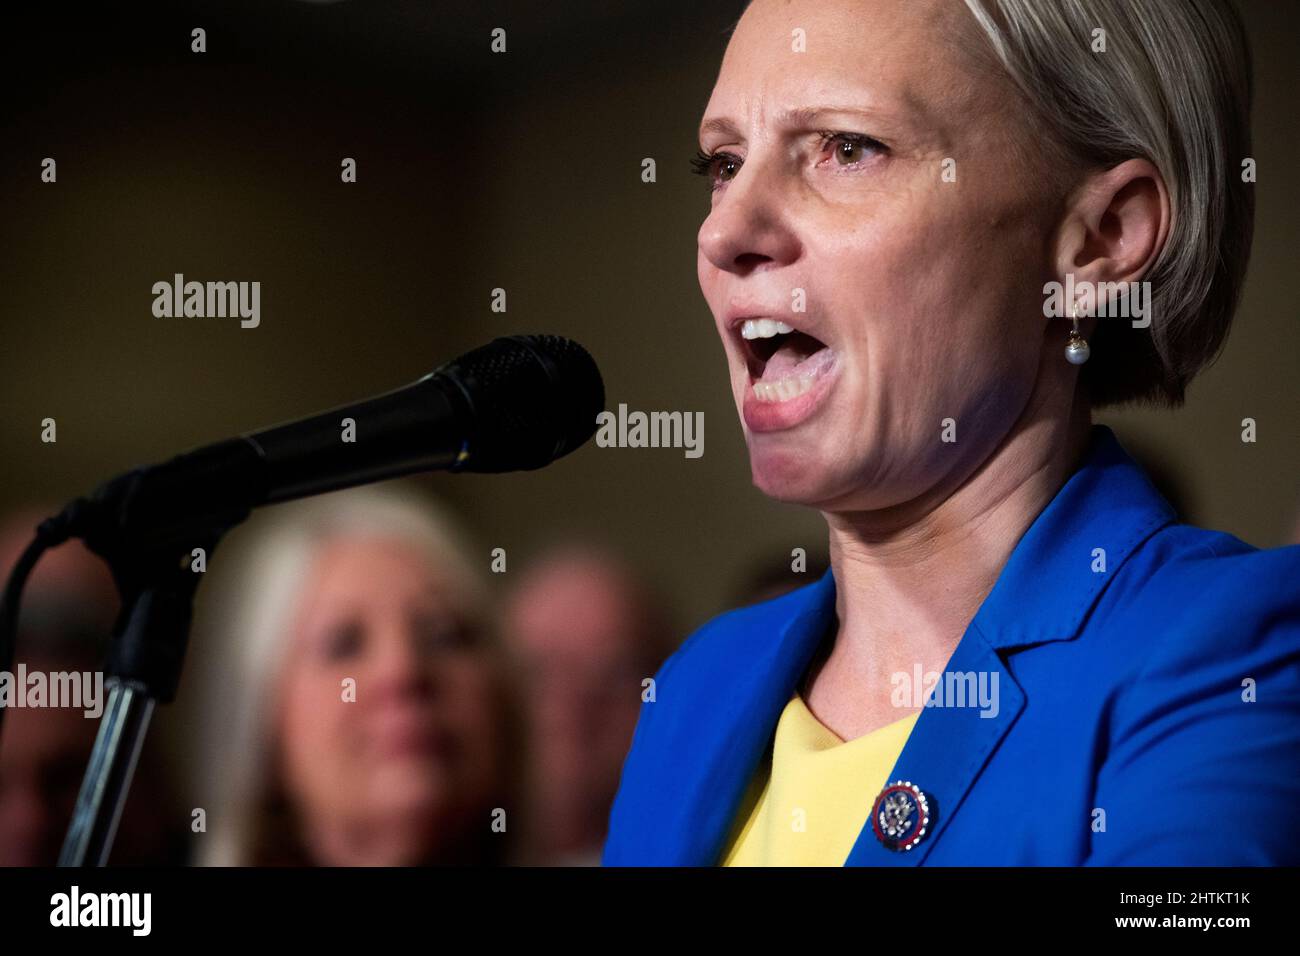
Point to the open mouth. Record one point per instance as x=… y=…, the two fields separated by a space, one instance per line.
x=783 y=361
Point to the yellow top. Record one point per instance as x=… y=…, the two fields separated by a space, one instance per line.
x=813 y=793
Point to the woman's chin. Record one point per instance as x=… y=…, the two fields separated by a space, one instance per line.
x=799 y=475
x=787 y=474
x=409 y=788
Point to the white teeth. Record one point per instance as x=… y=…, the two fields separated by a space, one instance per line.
x=784 y=389
x=764 y=328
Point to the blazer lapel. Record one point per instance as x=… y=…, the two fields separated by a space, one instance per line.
x=1107 y=509
x=718 y=753
x=947 y=749
x=706 y=748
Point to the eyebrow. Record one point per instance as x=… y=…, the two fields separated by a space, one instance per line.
x=798 y=117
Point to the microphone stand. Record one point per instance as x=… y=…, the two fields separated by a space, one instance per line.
x=143 y=668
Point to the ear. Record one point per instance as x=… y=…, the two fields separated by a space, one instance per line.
x=1115 y=224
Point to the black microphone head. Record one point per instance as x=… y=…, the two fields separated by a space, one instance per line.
x=531 y=399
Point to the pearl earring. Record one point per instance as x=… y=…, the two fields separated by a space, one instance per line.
x=1076 y=350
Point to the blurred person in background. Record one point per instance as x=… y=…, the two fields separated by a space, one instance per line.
x=67 y=615
x=355 y=710
x=584 y=631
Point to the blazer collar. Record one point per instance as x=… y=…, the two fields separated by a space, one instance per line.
x=1052 y=579
x=1061 y=564
x=1050 y=583
x=1069 y=554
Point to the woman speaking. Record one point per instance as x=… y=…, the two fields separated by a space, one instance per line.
x=940 y=234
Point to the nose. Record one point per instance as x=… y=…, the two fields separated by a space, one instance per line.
x=749 y=227
x=398 y=667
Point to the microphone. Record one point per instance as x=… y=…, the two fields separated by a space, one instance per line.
x=515 y=404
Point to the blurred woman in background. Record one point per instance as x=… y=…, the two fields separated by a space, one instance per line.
x=357 y=712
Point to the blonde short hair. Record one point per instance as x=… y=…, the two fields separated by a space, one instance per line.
x=1174 y=87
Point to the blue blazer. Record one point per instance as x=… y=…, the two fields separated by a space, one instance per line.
x=1147 y=714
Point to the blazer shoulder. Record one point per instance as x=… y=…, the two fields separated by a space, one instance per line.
x=1204 y=705
x=1195 y=570
x=1202 y=601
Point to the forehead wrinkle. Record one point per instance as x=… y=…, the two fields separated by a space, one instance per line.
x=906 y=106
x=913 y=115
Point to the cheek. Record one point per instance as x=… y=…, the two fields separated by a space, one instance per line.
x=477 y=719
x=706 y=274
x=933 y=322
x=931 y=331
x=468 y=700
x=708 y=277
x=316 y=730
